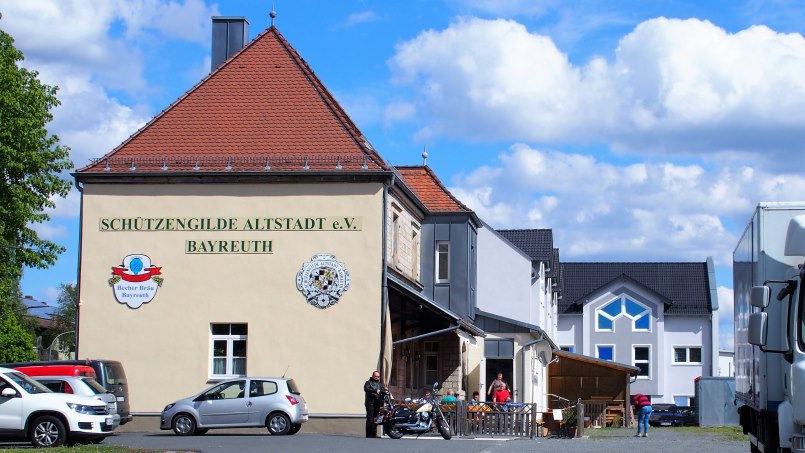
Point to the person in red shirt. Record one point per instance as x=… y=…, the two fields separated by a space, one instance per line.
x=642 y=404
x=502 y=395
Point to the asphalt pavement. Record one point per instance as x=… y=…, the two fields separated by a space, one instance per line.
x=660 y=440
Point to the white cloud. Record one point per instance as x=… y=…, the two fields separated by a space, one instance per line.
x=511 y=7
x=604 y=211
x=726 y=311
x=360 y=17
x=673 y=86
x=50 y=231
x=67 y=207
x=50 y=295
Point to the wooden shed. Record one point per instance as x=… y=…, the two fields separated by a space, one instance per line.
x=602 y=385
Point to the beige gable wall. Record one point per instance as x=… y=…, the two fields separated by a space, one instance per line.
x=406 y=259
x=165 y=345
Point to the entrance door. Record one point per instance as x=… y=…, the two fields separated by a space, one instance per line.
x=499 y=354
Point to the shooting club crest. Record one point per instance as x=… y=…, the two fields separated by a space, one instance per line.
x=135 y=282
x=322 y=280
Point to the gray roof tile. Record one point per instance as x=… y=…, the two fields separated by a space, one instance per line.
x=686 y=285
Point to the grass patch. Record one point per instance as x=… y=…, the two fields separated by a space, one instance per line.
x=725 y=432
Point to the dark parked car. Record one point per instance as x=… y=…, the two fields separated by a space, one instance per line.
x=672 y=415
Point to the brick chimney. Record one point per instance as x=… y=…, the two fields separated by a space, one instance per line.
x=229 y=34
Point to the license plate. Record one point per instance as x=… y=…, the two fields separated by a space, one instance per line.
x=665 y=423
x=121 y=398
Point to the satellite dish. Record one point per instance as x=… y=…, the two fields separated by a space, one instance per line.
x=544 y=352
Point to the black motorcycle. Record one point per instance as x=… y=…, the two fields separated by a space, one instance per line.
x=400 y=420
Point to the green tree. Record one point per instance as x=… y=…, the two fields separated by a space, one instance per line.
x=64 y=318
x=16 y=344
x=31 y=163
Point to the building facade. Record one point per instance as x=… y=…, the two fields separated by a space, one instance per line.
x=658 y=317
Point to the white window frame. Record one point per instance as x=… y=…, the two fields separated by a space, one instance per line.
x=605 y=346
x=437 y=267
x=230 y=339
x=622 y=299
x=687 y=361
x=396 y=215
x=570 y=347
x=647 y=361
x=689 y=397
x=416 y=244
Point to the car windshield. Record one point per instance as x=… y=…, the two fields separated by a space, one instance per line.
x=97 y=388
x=27 y=384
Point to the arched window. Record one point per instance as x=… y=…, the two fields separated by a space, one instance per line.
x=606 y=315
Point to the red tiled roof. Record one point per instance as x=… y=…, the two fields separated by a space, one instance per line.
x=430 y=191
x=263 y=107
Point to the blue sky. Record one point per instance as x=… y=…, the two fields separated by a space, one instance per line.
x=637 y=131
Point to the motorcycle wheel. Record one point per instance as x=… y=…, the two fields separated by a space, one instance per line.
x=443 y=427
x=391 y=431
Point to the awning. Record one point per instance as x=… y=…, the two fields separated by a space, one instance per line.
x=454 y=321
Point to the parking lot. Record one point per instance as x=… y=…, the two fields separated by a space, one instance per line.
x=601 y=441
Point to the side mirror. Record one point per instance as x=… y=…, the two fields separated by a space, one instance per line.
x=9 y=392
x=760 y=296
x=758 y=323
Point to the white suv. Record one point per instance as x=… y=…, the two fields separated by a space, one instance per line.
x=30 y=410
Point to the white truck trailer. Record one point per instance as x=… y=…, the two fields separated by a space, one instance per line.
x=768 y=270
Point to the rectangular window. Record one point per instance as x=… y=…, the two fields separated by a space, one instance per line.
x=503 y=348
x=228 y=354
x=442 y=262
x=683 y=400
x=688 y=355
x=415 y=244
x=568 y=348
x=642 y=360
x=605 y=352
x=395 y=237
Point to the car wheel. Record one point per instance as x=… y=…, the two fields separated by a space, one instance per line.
x=47 y=431
x=278 y=424
x=294 y=429
x=184 y=425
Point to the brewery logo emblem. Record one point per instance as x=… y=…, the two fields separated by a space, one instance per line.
x=135 y=282
x=322 y=280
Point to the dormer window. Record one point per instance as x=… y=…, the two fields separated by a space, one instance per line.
x=606 y=315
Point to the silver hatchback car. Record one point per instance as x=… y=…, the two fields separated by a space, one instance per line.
x=275 y=403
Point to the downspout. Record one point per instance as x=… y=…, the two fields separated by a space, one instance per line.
x=384 y=283
x=80 y=188
x=522 y=375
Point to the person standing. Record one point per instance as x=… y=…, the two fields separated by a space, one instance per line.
x=372 y=400
x=496 y=385
x=642 y=405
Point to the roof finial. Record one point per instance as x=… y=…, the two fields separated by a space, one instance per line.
x=272 y=14
x=424 y=156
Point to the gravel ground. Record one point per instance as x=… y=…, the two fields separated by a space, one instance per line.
x=623 y=441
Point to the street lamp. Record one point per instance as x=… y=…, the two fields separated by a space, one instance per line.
x=54 y=341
